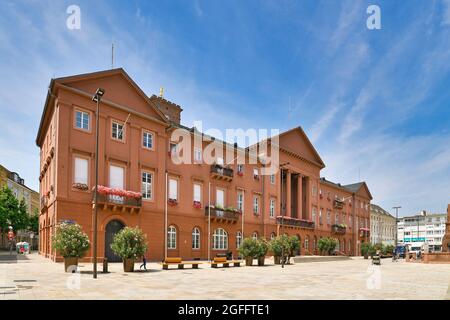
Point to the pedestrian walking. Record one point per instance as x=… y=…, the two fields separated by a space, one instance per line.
x=144 y=263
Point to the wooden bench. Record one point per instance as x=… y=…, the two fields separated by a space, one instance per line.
x=179 y=262
x=224 y=262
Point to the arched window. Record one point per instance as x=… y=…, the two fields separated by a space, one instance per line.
x=196 y=238
x=220 y=239
x=307 y=243
x=343 y=245
x=238 y=239
x=337 y=246
x=171 y=237
x=255 y=235
x=272 y=236
x=314 y=243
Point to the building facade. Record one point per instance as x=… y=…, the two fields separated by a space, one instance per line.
x=17 y=185
x=424 y=228
x=382 y=226
x=193 y=210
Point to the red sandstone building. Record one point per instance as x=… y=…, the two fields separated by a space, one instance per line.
x=135 y=154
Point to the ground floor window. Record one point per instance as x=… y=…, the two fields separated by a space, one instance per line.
x=220 y=239
x=195 y=238
x=307 y=243
x=238 y=239
x=171 y=237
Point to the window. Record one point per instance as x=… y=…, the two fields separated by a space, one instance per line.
x=173 y=189
x=272 y=179
x=196 y=238
x=197 y=155
x=82 y=120
x=81 y=171
x=314 y=214
x=320 y=216
x=146 y=186
x=336 y=218
x=272 y=208
x=272 y=236
x=255 y=173
x=173 y=149
x=171 y=237
x=314 y=191
x=220 y=195
x=240 y=200
x=256 y=205
x=220 y=239
x=349 y=221
x=255 y=235
x=117 y=131
x=328 y=217
x=219 y=161
x=116 y=175
x=307 y=243
x=238 y=239
x=240 y=168
x=197 y=192
x=147 y=140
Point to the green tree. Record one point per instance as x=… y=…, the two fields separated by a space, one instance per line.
x=33 y=222
x=12 y=212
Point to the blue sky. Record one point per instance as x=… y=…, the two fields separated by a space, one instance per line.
x=375 y=103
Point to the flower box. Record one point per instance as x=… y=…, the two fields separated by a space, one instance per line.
x=80 y=186
x=172 y=202
x=256 y=177
x=117 y=192
x=197 y=204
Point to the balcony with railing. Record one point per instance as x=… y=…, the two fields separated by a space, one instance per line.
x=294 y=222
x=220 y=172
x=222 y=214
x=338 y=228
x=118 y=200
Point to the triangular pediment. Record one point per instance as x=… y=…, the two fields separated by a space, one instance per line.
x=119 y=89
x=296 y=141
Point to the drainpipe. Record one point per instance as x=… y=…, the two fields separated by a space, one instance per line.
x=209 y=221
x=165 y=218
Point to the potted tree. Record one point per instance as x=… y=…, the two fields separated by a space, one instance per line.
x=71 y=242
x=294 y=245
x=326 y=245
x=277 y=249
x=366 y=248
x=249 y=250
x=129 y=244
x=263 y=247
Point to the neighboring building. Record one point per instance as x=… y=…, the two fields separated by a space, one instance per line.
x=423 y=228
x=136 y=153
x=446 y=239
x=382 y=226
x=14 y=182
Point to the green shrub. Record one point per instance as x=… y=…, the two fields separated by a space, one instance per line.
x=276 y=247
x=129 y=243
x=249 y=248
x=263 y=247
x=70 y=240
x=294 y=245
x=367 y=249
x=327 y=245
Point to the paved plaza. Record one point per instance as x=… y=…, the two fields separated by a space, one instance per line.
x=34 y=277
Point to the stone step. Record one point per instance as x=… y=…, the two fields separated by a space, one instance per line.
x=302 y=259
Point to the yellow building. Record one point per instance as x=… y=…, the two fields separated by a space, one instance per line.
x=20 y=190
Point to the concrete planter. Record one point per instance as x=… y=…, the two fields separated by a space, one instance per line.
x=70 y=261
x=128 y=265
x=249 y=261
x=277 y=259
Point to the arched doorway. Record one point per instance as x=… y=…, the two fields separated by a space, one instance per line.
x=111 y=229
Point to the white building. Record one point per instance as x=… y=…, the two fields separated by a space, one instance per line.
x=382 y=226
x=422 y=229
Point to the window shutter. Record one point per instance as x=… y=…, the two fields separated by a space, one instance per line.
x=116 y=177
x=81 y=170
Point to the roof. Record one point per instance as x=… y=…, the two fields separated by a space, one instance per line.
x=355 y=187
x=379 y=210
x=93 y=75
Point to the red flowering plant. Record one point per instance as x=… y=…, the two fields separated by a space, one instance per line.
x=172 y=202
x=197 y=204
x=80 y=186
x=118 y=192
x=240 y=173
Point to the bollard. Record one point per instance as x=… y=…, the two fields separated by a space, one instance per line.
x=105 y=265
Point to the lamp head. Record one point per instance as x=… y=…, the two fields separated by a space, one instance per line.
x=98 y=95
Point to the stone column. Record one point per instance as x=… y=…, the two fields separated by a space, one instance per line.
x=299 y=197
x=288 y=193
x=307 y=213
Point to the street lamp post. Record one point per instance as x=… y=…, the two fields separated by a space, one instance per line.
x=283 y=209
x=96 y=98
